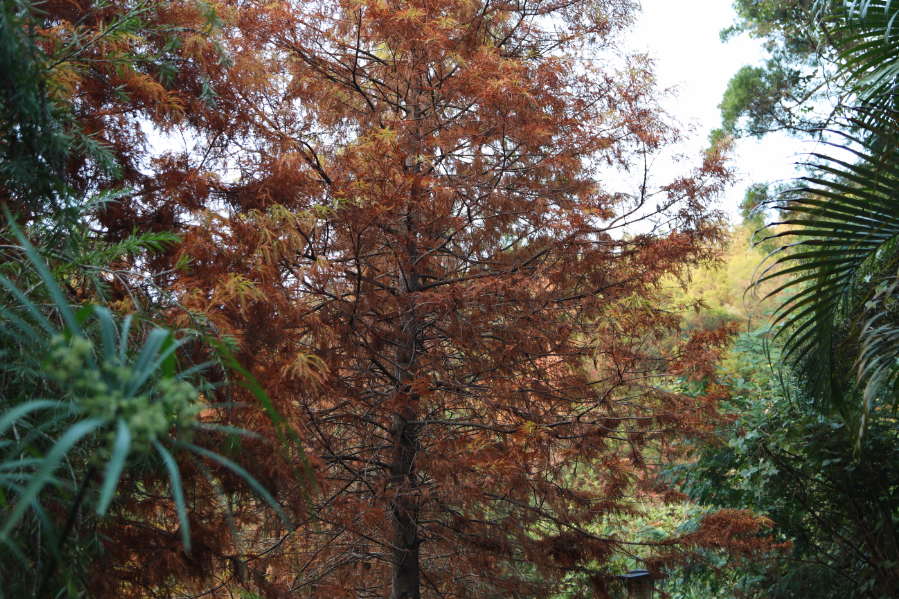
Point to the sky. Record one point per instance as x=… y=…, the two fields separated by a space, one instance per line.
x=682 y=35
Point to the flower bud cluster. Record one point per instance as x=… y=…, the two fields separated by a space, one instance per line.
x=99 y=391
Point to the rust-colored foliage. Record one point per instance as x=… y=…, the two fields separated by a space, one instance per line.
x=430 y=228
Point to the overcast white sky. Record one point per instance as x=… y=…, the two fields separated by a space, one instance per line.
x=683 y=37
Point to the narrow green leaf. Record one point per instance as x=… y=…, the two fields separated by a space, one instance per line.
x=147 y=361
x=120 y=450
x=50 y=462
x=19 y=411
x=177 y=492
x=62 y=304
x=107 y=333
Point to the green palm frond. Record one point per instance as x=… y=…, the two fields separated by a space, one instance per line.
x=878 y=354
x=844 y=221
x=866 y=35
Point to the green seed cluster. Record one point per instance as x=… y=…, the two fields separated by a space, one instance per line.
x=100 y=390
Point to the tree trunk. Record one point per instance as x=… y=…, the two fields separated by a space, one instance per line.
x=404 y=436
x=404 y=507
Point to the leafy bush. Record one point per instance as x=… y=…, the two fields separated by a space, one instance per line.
x=783 y=458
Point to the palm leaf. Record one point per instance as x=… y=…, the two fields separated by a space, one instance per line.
x=846 y=220
x=866 y=35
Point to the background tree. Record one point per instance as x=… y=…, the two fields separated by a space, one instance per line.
x=800 y=89
x=837 y=328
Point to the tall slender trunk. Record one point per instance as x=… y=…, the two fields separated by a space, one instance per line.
x=404 y=436
x=404 y=509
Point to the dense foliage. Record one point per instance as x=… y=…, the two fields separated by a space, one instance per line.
x=838 y=515
x=836 y=326
x=813 y=439
x=455 y=292
x=101 y=406
x=397 y=217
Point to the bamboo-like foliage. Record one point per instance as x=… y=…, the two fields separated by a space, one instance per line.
x=98 y=410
